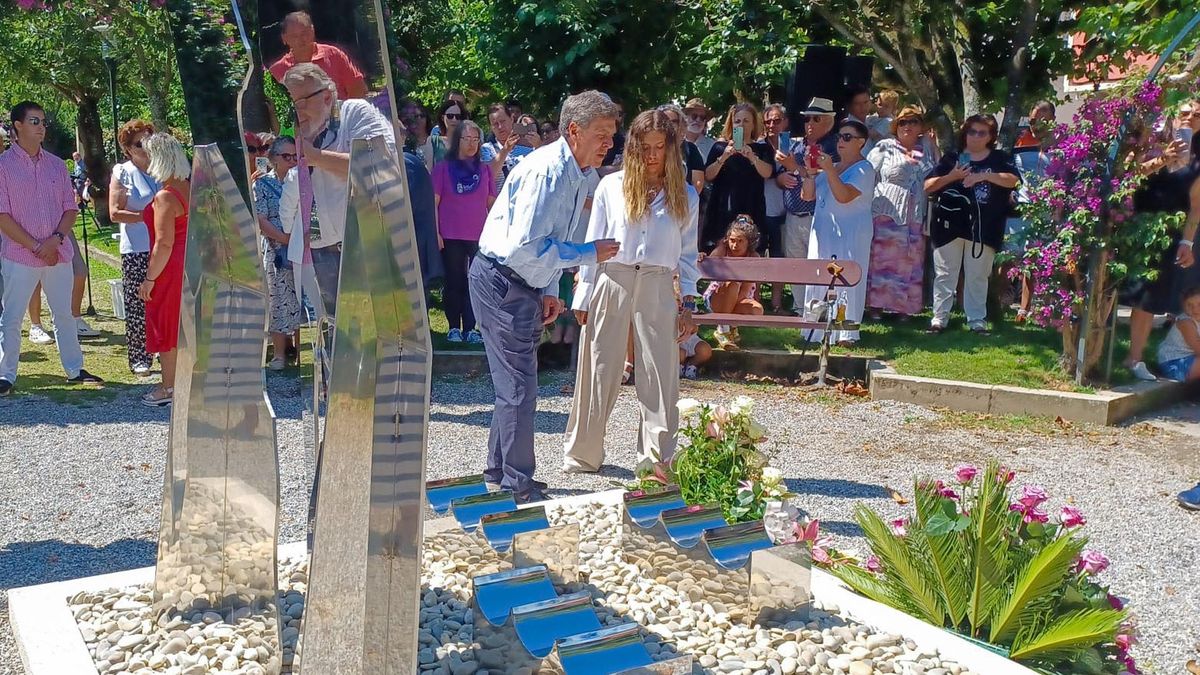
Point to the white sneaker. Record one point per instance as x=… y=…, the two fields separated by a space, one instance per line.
x=39 y=336
x=141 y=369
x=277 y=363
x=690 y=372
x=1139 y=369
x=84 y=329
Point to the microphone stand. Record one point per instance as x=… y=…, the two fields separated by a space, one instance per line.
x=87 y=258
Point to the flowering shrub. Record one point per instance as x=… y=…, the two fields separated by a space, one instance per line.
x=1078 y=212
x=718 y=461
x=984 y=560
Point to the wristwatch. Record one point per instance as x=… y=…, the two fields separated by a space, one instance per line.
x=60 y=235
x=1185 y=242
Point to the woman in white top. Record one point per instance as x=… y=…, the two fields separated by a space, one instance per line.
x=652 y=212
x=130 y=190
x=842 y=222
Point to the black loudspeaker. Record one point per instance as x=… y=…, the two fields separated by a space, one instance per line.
x=819 y=73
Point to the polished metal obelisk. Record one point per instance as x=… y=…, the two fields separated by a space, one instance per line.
x=362 y=610
x=217 y=540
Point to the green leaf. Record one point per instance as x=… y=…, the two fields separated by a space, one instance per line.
x=1066 y=637
x=918 y=596
x=1041 y=578
x=987 y=549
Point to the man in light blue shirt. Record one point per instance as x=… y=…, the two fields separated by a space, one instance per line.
x=513 y=282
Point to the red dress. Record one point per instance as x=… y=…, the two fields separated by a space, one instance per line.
x=162 y=309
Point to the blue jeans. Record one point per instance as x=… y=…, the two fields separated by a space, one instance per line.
x=510 y=318
x=1178 y=369
x=327 y=265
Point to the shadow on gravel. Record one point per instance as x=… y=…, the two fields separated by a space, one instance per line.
x=841 y=528
x=544 y=422
x=30 y=563
x=837 y=488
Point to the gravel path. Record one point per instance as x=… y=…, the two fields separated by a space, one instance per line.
x=81 y=485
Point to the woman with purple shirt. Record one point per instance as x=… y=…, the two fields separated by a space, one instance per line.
x=463 y=190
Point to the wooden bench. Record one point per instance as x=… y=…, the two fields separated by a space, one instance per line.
x=795 y=271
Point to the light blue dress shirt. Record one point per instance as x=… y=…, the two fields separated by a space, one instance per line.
x=529 y=227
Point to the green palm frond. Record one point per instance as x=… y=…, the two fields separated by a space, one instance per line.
x=864 y=583
x=1070 y=634
x=947 y=559
x=915 y=591
x=987 y=551
x=1041 y=577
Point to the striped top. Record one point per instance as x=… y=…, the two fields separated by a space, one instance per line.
x=35 y=192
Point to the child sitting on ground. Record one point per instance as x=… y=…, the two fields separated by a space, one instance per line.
x=734 y=297
x=1177 y=353
x=693 y=351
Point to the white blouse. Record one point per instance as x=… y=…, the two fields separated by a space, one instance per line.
x=900 y=189
x=657 y=239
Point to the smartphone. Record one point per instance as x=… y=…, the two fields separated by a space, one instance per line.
x=522 y=129
x=1184 y=134
x=262 y=164
x=814 y=151
x=964 y=159
x=785 y=141
x=739 y=138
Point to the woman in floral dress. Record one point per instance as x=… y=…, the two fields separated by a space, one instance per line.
x=286 y=316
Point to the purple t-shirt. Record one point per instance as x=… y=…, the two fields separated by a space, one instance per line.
x=461 y=214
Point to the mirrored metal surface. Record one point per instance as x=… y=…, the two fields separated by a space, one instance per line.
x=361 y=613
x=468 y=510
x=555 y=547
x=602 y=652
x=441 y=492
x=496 y=594
x=678 y=666
x=732 y=545
x=540 y=624
x=643 y=507
x=217 y=534
x=781 y=584
x=500 y=528
x=685 y=526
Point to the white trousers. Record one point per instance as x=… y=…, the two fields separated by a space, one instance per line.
x=796 y=231
x=851 y=242
x=19 y=282
x=643 y=295
x=948 y=260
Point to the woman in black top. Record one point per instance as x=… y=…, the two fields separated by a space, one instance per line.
x=736 y=175
x=972 y=188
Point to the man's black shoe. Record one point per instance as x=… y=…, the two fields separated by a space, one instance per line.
x=84 y=377
x=5 y=387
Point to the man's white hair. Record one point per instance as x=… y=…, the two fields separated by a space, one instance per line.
x=308 y=72
x=167 y=158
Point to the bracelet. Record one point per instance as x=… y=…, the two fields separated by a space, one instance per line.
x=1185 y=242
x=151 y=280
x=60 y=235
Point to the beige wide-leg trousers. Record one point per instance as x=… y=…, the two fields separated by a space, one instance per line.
x=644 y=296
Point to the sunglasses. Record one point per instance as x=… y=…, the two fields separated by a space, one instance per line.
x=776 y=120
x=298 y=101
x=908 y=122
x=37 y=121
x=453 y=116
x=849 y=137
x=978 y=132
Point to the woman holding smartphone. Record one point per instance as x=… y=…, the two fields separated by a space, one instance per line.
x=737 y=166
x=980 y=180
x=650 y=209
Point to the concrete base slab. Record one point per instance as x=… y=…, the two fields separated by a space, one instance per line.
x=1107 y=407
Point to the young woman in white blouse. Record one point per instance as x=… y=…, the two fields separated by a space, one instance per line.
x=650 y=209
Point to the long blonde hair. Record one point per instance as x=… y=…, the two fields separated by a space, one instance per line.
x=637 y=182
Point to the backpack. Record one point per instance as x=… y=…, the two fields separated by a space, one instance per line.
x=954 y=214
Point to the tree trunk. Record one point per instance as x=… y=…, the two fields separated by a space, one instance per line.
x=960 y=43
x=157 y=100
x=88 y=128
x=1101 y=302
x=1016 y=71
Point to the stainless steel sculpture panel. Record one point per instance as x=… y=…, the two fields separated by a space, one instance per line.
x=219 y=521
x=361 y=615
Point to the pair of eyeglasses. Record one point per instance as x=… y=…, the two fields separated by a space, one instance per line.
x=978 y=132
x=289 y=156
x=302 y=99
x=37 y=121
x=849 y=137
x=453 y=116
x=743 y=219
x=773 y=121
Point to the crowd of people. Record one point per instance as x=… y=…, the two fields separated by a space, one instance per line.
x=524 y=219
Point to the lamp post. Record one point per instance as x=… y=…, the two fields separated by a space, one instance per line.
x=110 y=62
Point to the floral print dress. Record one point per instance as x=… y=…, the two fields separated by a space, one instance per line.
x=286 y=316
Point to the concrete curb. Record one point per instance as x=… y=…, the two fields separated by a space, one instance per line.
x=1104 y=408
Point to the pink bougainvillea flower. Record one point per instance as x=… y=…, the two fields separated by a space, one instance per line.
x=1031 y=496
x=1072 y=517
x=899 y=527
x=873 y=565
x=1091 y=562
x=965 y=473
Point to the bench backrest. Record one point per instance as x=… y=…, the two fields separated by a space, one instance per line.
x=780 y=270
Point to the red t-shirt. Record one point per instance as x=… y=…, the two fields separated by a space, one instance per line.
x=332 y=60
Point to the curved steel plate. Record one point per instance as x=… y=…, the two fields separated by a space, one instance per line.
x=441 y=492
x=732 y=545
x=468 y=510
x=603 y=652
x=555 y=547
x=677 y=666
x=496 y=594
x=541 y=624
x=687 y=525
x=643 y=507
x=500 y=528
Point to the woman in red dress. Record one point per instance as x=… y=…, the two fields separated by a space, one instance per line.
x=167 y=214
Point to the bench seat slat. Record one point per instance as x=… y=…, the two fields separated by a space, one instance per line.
x=779 y=270
x=767 y=321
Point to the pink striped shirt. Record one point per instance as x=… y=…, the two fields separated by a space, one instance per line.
x=36 y=194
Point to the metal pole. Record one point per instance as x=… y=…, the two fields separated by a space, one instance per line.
x=87 y=258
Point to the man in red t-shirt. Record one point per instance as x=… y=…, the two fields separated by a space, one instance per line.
x=301 y=40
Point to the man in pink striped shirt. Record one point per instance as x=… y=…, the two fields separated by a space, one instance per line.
x=37 y=212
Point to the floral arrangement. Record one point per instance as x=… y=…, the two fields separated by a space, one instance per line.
x=1078 y=211
x=719 y=461
x=990 y=563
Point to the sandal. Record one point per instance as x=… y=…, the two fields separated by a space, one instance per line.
x=151 y=400
x=627 y=375
x=727 y=342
